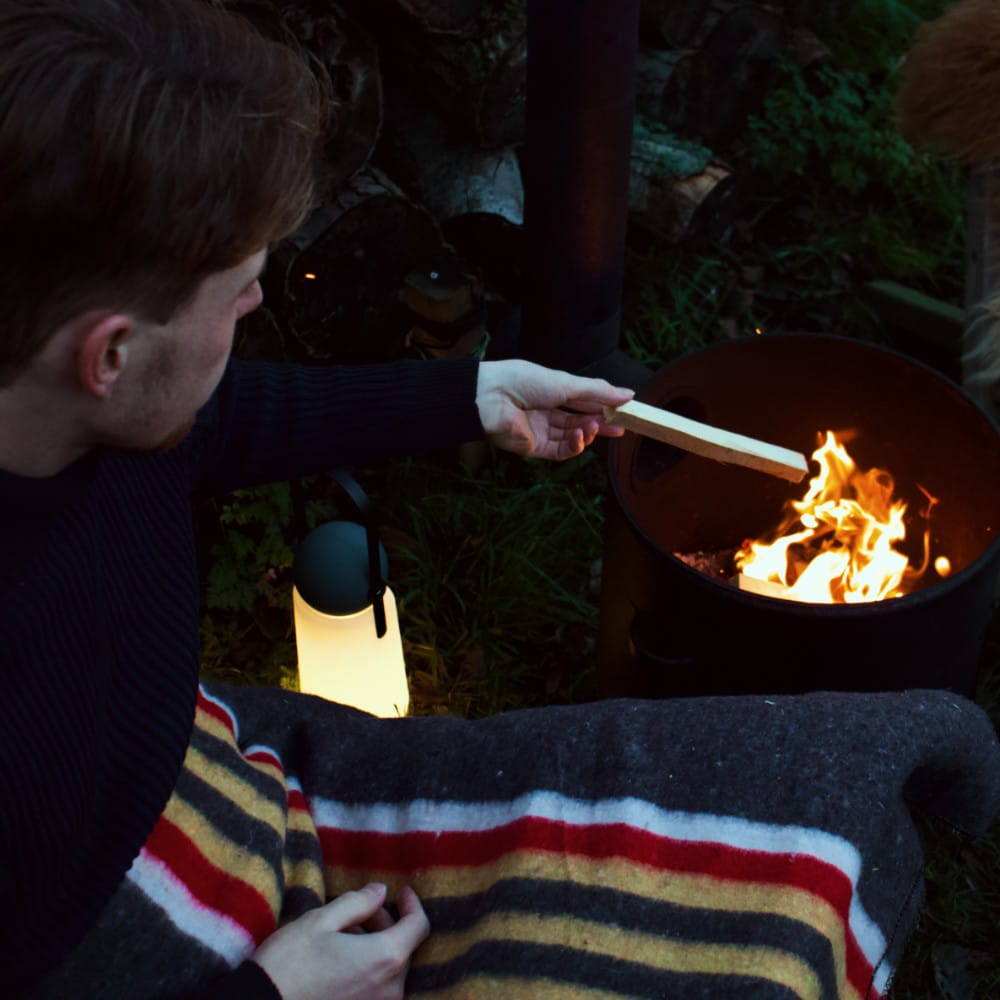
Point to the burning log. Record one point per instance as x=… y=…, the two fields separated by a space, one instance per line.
x=710 y=442
x=764 y=588
x=717 y=564
x=840 y=542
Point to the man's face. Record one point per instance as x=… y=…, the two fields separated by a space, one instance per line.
x=182 y=362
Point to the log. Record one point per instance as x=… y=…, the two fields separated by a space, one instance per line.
x=712 y=92
x=493 y=248
x=435 y=16
x=341 y=273
x=477 y=80
x=671 y=178
x=450 y=177
x=680 y=24
x=653 y=69
x=811 y=13
x=340 y=43
x=447 y=314
x=707 y=441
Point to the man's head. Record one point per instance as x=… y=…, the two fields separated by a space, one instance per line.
x=144 y=145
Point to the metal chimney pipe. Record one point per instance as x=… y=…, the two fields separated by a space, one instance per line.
x=580 y=107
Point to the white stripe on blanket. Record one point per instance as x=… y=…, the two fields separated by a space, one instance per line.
x=731 y=831
x=212 y=928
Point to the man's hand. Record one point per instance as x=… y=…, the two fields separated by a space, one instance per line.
x=320 y=956
x=523 y=408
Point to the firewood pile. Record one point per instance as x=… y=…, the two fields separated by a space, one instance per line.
x=422 y=181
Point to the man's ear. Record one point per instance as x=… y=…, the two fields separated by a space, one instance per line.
x=102 y=352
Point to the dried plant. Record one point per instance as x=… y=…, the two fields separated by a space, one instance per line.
x=950 y=84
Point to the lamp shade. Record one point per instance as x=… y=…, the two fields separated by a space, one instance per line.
x=346 y=625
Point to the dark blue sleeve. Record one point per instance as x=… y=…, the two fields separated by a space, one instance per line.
x=270 y=422
x=248 y=982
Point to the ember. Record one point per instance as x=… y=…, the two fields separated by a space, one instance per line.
x=839 y=543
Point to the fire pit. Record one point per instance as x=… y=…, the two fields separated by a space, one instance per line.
x=673 y=623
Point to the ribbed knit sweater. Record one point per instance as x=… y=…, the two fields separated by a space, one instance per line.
x=99 y=608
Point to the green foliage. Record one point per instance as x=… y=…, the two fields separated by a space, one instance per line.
x=253 y=553
x=247 y=628
x=827 y=137
x=677 y=298
x=492 y=575
x=957 y=936
x=873 y=34
x=833 y=129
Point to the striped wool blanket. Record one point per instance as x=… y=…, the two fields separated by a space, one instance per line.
x=697 y=848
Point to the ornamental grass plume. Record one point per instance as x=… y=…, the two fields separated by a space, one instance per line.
x=950 y=84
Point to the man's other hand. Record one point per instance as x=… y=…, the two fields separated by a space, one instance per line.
x=543 y=413
x=321 y=955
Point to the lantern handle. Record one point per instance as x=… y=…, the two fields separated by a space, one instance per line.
x=376 y=582
x=366 y=512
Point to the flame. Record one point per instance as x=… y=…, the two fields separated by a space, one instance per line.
x=843 y=546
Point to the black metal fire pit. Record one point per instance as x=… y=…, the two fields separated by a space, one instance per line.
x=670 y=629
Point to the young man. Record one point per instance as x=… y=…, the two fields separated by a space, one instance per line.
x=161 y=838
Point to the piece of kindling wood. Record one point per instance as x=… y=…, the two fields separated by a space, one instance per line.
x=708 y=441
x=765 y=588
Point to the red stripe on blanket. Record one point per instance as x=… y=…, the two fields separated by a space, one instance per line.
x=416 y=850
x=262 y=756
x=216 y=711
x=210 y=885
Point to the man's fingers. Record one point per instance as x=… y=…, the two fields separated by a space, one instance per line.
x=564 y=424
x=596 y=402
x=354 y=908
x=381 y=921
x=413 y=926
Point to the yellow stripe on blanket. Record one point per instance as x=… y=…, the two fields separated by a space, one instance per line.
x=226 y=854
x=697 y=891
x=510 y=988
x=650 y=950
x=241 y=793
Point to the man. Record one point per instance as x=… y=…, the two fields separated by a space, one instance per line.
x=150 y=154
x=161 y=838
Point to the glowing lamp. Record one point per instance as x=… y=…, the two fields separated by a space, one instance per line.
x=346 y=625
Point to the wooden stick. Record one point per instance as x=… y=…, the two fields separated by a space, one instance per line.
x=708 y=441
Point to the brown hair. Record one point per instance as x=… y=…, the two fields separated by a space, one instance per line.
x=950 y=84
x=144 y=144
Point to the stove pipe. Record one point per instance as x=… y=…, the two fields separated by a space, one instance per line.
x=580 y=107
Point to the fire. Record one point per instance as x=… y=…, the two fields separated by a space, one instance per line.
x=838 y=543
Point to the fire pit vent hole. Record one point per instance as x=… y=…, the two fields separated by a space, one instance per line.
x=654 y=457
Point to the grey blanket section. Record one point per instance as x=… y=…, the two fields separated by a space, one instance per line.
x=851 y=764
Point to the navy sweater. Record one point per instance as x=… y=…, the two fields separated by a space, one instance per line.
x=99 y=607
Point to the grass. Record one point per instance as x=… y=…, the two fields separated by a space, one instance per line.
x=491 y=572
x=955 y=952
